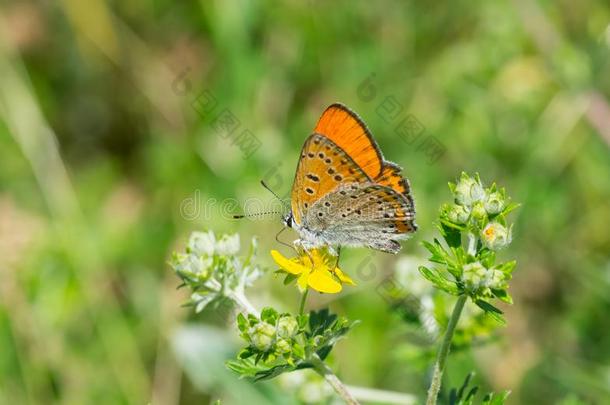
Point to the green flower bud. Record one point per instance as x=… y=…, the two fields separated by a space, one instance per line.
x=262 y=335
x=317 y=340
x=474 y=276
x=287 y=327
x=468 y=191
x=458 y=214
x=478 y=211
x=282 y=346
x=202 y=243
x=495 y=236
x=494 y=279
x=228 y=245
x=494 y=204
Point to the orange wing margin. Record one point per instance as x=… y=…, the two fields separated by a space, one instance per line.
x=345 y=128
x=390 y=176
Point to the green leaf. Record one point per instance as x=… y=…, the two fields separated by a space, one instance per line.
x=247 y=352
x=273 y=372
x=289 y=278
x=245 y=367
x=465 y=384
x=269 y=315
x=487 y=307
x=242 y=322
x=508 y=267
x=495 y=399
x=490 y=310
x=439 y=254
x=451 y=233
x=439 y=281
x=487 y=257
x=298 y=350
x=503 y=296
x=320 y=321
x=510 y=207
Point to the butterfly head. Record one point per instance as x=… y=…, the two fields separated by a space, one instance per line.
x=288 y=220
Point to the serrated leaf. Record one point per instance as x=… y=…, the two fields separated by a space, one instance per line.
x=439 y=254
x=269 y=315
x=245 y=368
x=438 y=280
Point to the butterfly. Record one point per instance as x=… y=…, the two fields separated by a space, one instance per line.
x=345 y=193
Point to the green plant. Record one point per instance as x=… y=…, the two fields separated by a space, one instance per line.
x=473 y=229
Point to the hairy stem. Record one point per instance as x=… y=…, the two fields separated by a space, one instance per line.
x=322 y=369
x=242 y=301
x=303 y=300
x=472 y=244
x=439 y=366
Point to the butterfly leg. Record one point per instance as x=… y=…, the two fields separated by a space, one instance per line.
x=338 y=254
x=302 y=246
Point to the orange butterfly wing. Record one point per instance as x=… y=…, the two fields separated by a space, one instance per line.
x=342 y=149
x=345 y=128
x=323 y=166
x=348 y=131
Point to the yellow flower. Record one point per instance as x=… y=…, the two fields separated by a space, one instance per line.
x=322 y=275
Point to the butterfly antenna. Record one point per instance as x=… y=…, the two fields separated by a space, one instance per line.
x=274 y=193
x=277 y=238
x=256 y=214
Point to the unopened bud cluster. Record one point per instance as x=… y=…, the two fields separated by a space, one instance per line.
x=210 y=268
x=474 y=228
x=479 y=280
x=480 y=209
x=271 y=334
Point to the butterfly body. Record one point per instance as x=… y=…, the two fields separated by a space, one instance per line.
x=344 y=193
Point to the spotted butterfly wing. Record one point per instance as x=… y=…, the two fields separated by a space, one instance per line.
x=361 y=214
x=344 y=193
x=347 y=130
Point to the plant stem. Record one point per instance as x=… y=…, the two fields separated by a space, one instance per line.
x=439 y=366
x=472 y=244
x=322 y=369
x=242 y=301
x=303 y=299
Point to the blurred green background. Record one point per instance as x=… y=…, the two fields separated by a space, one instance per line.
x=110 y=156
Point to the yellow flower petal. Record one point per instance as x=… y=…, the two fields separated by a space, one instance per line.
x=321 y=280
x=303 y=279
x=291 y=266
x=344 y=278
